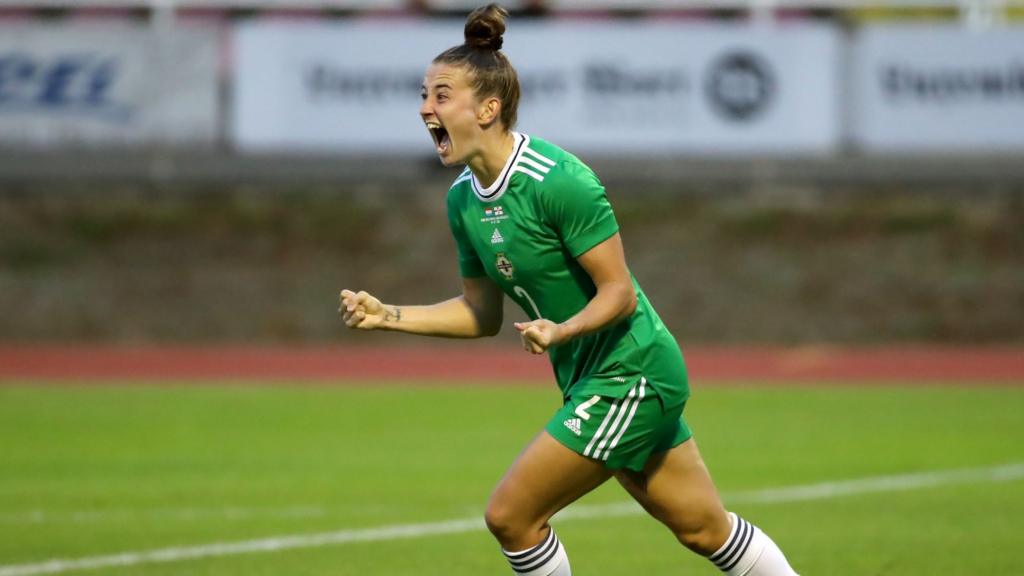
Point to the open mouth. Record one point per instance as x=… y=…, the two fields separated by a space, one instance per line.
x=441 y=139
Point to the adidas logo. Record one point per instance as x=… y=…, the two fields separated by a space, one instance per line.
x=574 y=425
x=496 y=238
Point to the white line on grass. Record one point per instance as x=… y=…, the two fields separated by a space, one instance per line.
x=822 y=491
x=193 y=514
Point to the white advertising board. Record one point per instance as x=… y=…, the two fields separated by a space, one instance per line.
x=87 y=84
x=614 y=88
x=935 y=88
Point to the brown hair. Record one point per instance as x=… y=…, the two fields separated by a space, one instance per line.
x=491 y=73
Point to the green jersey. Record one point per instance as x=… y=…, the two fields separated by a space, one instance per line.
x=525 y=232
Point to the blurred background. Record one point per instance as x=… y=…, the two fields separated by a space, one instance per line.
x=824 y=200
x=216 y=170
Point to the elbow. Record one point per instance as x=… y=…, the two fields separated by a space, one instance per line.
x=488 y=324
x=490 y=330
x=627 y=300
x=630 y=303
x=621 y=300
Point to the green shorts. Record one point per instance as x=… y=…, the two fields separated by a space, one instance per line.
x=621 y=432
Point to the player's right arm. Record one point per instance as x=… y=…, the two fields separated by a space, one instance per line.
x=474 y=314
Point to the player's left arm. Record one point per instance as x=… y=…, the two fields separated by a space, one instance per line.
x=615 y=300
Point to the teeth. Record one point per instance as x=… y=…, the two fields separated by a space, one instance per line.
x=433 y=125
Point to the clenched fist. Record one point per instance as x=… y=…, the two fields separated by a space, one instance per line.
x=360 y=310
x=539 y=335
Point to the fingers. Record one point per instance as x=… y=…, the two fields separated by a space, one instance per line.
x=350 y=300
x=346 y=301
x=528 y=344
x=532 y=340
x=351 y=307
x=354 y=318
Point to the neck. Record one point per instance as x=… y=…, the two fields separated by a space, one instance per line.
x=494 y=152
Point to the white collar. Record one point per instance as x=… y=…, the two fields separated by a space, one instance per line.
x=500 y=184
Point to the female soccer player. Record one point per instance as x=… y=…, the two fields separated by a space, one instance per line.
x=532 y=221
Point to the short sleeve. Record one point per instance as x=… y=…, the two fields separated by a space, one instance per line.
x=470 y=265
x=579 y=209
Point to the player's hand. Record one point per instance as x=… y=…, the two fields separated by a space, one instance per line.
x=360 y=310
x=539 y=335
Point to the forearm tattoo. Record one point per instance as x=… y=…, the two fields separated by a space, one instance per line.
x=393 y=314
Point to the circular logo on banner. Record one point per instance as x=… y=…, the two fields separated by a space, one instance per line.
x=740 y=85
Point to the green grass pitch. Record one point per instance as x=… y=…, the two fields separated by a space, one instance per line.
x=93 y=471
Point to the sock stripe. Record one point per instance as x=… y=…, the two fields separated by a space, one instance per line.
x=556 y=546
x=523 y=564
x=527 y=561
x=743 y=549
x=737 y=545
x=728 y=543
x=730 y=560
x=529 y=551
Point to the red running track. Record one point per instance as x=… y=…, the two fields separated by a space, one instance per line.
x=995 y=365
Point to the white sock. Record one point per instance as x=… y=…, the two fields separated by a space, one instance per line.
x=545 y=559
x=750 y=552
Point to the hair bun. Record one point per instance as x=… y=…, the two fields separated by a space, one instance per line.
x=485 y=26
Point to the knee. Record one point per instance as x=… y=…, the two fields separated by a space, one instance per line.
x=706 y=536
x=503 y=522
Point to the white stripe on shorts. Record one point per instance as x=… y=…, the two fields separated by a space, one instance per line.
x=632 y=412
x=610 y=433
x=600 y=429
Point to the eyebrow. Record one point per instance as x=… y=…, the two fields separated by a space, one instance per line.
x=436 y=86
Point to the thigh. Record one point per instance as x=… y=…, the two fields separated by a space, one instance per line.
x=676 y=488
x=545 y=478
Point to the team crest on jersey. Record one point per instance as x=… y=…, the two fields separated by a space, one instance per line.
x=493 y=215
x=504 y=265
